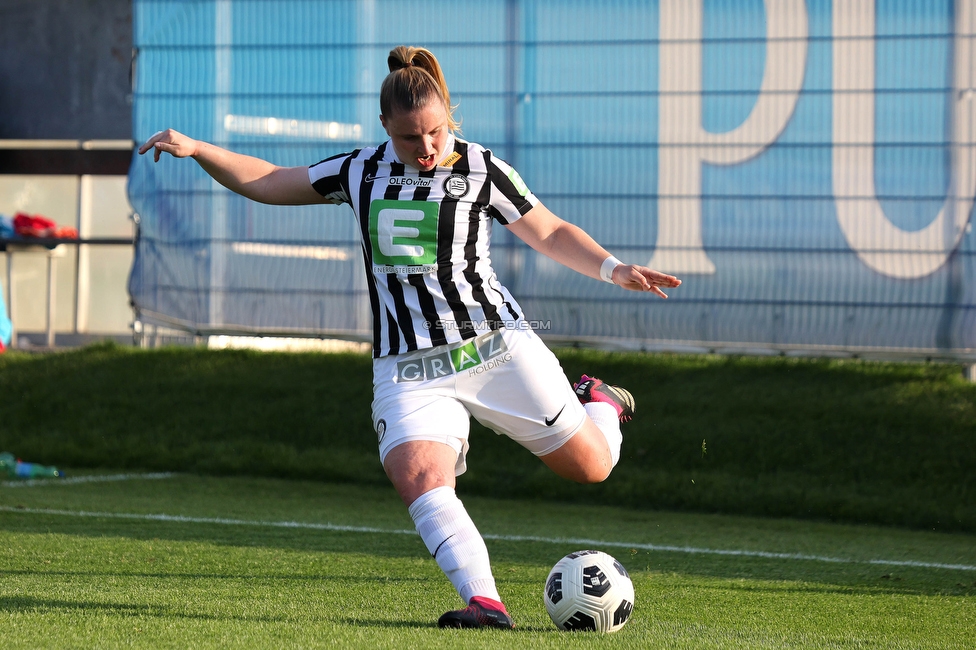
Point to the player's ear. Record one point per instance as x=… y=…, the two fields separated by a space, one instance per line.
x=383 y=122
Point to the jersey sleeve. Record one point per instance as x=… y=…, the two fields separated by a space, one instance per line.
x=510 y=197
x=330 y=177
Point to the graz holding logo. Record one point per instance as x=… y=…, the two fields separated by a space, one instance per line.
x=484 y=353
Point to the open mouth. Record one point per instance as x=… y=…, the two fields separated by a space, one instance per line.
x=426 y=161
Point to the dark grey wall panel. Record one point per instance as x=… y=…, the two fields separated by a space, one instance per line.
x=64 y=69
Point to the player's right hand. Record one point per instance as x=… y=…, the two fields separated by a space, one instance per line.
x=172 y=142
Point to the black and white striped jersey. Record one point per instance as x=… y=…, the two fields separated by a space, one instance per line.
x=425 y=240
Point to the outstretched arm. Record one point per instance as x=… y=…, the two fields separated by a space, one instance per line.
x=571 y=246
x=254 y=178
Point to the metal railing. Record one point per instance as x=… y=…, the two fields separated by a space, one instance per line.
x=81 y=158
x=53 y=249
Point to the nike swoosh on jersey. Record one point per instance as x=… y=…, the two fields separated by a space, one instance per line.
x=551 y=422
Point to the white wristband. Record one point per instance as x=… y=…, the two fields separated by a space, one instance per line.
x=606 y=270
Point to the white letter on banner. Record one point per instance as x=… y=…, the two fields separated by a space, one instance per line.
x=684 y=145
x=881 y=245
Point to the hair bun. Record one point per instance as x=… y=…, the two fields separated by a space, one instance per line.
x=395 y=63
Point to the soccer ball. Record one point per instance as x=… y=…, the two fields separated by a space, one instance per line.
x=589 y=590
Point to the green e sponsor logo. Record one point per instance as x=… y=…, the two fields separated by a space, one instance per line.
x=403 y=235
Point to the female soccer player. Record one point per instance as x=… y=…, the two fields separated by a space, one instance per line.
x=449 y=341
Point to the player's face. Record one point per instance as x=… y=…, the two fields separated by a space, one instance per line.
x=419 y=136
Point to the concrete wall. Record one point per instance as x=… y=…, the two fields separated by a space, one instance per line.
x=64 y=69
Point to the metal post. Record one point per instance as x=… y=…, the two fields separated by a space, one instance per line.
x=50 y=299
x=512 y=52
x=223 y=61
x=10 y=298
x=86 y=191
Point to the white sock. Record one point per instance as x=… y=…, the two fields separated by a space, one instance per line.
x=454 y=541
x=605 y=418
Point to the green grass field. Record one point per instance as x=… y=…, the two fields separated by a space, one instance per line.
x=759 y=503
x=851 y=441
x=220 y=562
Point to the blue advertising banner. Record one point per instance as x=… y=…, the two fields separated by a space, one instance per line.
x=807 y=168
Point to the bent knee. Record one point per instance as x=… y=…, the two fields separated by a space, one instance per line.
x=594 y=474
x=591 y=469
x=417 y=467
x=585 y=458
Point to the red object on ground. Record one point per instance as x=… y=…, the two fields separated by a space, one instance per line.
x=27 y=225
x=34 y=225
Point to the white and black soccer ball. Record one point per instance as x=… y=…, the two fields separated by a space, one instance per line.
x=589 y=590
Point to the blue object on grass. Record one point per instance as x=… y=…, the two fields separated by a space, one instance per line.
x=6 y=327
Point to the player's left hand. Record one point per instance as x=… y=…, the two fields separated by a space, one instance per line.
x=641 y=278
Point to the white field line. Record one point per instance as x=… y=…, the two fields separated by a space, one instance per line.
x=567 y=541
x=86 y=479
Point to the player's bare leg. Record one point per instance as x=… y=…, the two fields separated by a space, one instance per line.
x=419 y=466
x=585 y=458
x=592 y=452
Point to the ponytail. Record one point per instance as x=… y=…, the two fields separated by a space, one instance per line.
x=415 y=77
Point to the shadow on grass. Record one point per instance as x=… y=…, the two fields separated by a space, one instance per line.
x=318 y=541
x=385 y=623
x=879 y=590
x=257 y=577
x=380 y=623
x=28 y=604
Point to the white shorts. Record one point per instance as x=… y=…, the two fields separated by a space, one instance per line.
x=508 y=380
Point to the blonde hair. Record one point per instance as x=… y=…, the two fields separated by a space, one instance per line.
x=415 y=77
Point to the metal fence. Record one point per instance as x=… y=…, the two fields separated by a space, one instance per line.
x=807 y=168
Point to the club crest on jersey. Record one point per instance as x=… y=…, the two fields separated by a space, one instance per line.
x=456 y=186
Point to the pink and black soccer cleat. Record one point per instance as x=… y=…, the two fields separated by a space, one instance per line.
x=480 y=612
x=591 y=389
